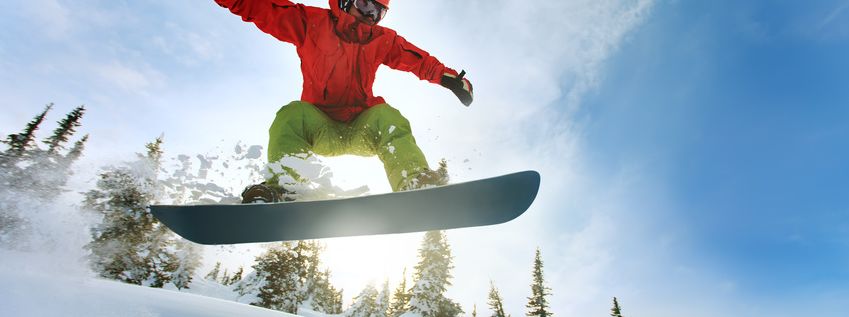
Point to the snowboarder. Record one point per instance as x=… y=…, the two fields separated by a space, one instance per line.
x=340 y=50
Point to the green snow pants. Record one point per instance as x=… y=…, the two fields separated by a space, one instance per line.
x=301 y=128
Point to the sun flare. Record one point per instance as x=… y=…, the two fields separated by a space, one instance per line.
x=357 y=261
x=351 y=171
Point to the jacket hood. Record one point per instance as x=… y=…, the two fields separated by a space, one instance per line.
x=349 y=29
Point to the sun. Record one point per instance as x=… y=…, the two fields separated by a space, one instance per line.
x=356 y=261
x=350 y=171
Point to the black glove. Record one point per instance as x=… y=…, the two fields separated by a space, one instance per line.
x=461 y=87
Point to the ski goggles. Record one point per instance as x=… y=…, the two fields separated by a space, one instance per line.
x=370 y=8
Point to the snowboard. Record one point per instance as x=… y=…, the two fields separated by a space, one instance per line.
x=470 y=204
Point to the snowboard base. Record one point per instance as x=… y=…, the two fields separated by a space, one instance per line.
x=469 y=204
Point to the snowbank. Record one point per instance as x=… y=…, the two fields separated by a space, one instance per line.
x=29 y=291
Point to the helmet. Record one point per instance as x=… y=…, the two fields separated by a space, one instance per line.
x=385 y=3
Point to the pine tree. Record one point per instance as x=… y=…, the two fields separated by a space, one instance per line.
x=153 y=157
x=616 y=311
x=28 y=171
x=432 y=276
x=22 y=142
x=236 y=276
x=286 y=277
x=213 y=274
x=224 y=278
x=120 y=248
x=188 y=261
x=475 y=310
x=365 y=304
x=383 y=302
x=315 y=290
x=400 y=298
x=129 y=244
x=306 y=264
x=76 y=151
x=22 y=146
x=337 y=308
x=278 y=281
x=161 y=260
x=326 y=298
x=495 y=302
x=66 y=129
x=537 y=302
x=249 y=285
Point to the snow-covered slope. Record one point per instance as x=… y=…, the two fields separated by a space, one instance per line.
x=35 y=292
x=43 y=268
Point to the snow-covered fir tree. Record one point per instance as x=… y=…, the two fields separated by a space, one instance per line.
x=248 y=287
x=277 y=277
x=288 y=276
x=121 y=246
x=213 y=274
x=538 y=301
x=326 y=298
x=307 y=262
x=496 y=304
x=315 y=290
x=188 y=260
x=338 y=303
x=32 y=175
x=225 y=278
x=400 y=298
x=616 y=311
x=67 y=127
x=237 y=276
x=129 y=244
x=383 y=300
x=365 y=304
x=432 y=278
x=20 y=143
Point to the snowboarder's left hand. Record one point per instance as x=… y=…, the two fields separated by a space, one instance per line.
x=461 y=87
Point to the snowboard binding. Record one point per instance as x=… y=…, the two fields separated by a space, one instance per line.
x=265 y=193
x=429 y=178
x=259 y=193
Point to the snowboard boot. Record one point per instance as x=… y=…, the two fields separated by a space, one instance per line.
x=429 y=178
x=265 y=193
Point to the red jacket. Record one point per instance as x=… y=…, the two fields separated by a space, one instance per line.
x=339 y=56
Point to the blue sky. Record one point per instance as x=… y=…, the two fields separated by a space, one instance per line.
x=741 y=111
x=693 y=153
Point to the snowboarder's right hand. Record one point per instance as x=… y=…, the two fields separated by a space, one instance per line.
x=461 y=87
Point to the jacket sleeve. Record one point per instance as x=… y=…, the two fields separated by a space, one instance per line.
x=282 y=19
x=405 y=56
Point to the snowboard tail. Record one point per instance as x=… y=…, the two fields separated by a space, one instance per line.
x=476 y=203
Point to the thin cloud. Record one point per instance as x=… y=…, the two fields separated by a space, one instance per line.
x=54 y=18
x=129 y=78
x=834 y=14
